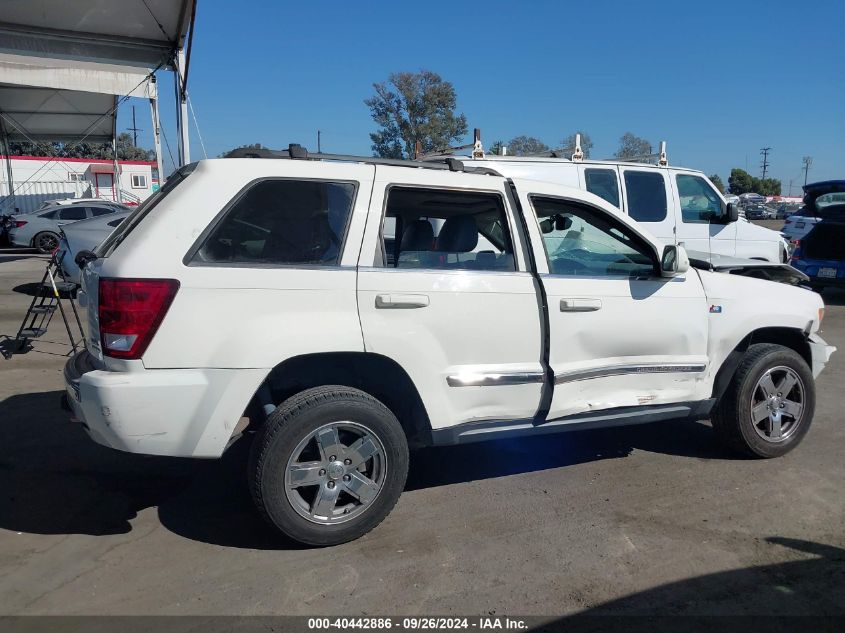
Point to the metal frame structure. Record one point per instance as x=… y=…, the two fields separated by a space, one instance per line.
x=78 y=50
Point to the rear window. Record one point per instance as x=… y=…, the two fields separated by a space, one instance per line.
x=113 y=241
x=646 y=196
x=72 y=213
x=602 y=182
x=281 y=222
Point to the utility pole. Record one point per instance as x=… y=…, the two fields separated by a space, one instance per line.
x=134 y=129
x=765 y=165
x=808 y=161
x=790 y=188
x=318 y=142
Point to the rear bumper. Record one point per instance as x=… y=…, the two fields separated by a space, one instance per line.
x=820 y=352
x=173 y=412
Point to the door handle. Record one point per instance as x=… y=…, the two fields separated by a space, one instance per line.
x=401 y=301
x=576 y=304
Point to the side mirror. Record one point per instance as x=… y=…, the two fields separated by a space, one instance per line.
x=731 y=213
x=674 y=261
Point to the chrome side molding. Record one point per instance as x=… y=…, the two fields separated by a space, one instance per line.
x=473 y=379
x=623 y=370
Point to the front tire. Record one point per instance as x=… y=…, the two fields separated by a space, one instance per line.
x=328 y=465
x=767 y=409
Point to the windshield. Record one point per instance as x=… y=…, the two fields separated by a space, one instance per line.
x=113 y=241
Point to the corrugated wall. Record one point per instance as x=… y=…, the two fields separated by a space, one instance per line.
x=28 y=196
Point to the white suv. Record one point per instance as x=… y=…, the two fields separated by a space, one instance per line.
x=339 y=311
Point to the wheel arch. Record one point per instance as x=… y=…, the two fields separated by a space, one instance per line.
x=380 y=376
x=791 y=338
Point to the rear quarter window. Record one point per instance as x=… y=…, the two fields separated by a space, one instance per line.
x=279 y=222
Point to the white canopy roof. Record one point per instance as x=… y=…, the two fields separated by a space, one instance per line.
x=62 y=100
x=142 y=33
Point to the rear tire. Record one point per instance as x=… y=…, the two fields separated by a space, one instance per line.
x=46 y=242
x=767 y=408
x=307 y=495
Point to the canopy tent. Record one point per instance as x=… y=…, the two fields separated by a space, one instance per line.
x=64 y=66
x=143 y=33
x=59 y=100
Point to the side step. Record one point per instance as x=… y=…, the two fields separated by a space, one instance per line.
x=45 y=309
x=32 y=332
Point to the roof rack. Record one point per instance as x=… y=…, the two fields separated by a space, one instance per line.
x=296 y=151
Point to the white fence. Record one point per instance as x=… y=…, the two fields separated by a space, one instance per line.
x=28 y=196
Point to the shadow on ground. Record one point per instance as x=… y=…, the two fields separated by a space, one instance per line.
x=797 y=595
x=833 y=297
x=55 y=480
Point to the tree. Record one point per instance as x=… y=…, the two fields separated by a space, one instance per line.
x=740 y=182
x=247 y=146
x=126 y=150
x=413 y=108
x=768 y=186
x=631 y=147
x=717 y=182
x=525 y=145
x=586 y=143
x=496 y=148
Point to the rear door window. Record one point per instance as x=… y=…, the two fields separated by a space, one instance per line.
x=72 y=213
x=281 y=222
x=447 y=230
x=98 y=211
x=646 y=195
x=603 y=183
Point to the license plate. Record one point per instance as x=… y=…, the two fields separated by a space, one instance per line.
x=827 y=272
x=799 y=225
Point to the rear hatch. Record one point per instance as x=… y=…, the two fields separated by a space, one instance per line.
x=90 y=277
x=826 y=241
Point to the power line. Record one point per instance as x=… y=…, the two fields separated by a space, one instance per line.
x=808 y=162
x=134 y=129
x=765 y=165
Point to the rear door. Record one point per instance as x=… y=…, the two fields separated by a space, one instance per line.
x=620 y=335
x=454 y=304
x=646 y=197
x=699 y=204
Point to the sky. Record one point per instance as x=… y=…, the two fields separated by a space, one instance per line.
x=718 y=80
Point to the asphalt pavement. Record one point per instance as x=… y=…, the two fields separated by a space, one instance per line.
x=652 y=519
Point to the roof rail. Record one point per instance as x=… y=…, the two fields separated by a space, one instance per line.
x=296 y=151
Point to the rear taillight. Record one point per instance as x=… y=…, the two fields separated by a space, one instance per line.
x=795 y=248
x=130 y=312
x=20 y=223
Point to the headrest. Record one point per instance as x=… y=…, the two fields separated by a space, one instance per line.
x=418 y=236
x=459 y=234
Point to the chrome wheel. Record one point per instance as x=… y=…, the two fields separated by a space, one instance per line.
x=46 y=242
x=335 y=473
x=777 y=404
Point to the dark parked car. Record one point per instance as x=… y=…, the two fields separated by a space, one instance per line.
x=821 y=253
x=758 y=212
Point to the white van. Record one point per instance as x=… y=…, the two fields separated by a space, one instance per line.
x=675 y=204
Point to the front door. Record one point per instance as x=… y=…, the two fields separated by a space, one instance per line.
x=443 y=290
x=104 y=186
x=620 y=334
x=699 y=205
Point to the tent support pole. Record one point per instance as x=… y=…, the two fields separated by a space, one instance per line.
x=115 y=181
x=182 y=118
x=7 y=150
x=157 y=139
